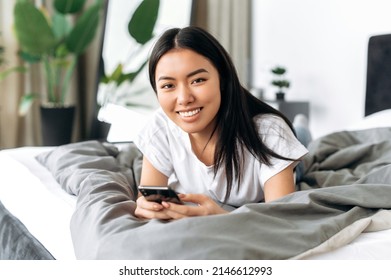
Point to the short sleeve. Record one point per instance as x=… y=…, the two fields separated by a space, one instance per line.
x=278 y=137
x=153 y=142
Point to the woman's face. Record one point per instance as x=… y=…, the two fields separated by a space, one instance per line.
x=188 y=90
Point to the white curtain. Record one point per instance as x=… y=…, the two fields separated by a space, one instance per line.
x=18 y=131
x=11 y=87
x=230 y=22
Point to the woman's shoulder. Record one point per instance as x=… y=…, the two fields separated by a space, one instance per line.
x=279 y=136
x=158 y=126
x=268 y=117
x=158 y=121
x=267 y=122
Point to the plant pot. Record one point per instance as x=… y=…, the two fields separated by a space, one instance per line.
x=280 y=95
x=57 y=125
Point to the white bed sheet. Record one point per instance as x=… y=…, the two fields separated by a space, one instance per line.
x=367 y=246
x=29 y=192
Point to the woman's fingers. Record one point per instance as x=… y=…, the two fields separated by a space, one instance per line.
x=149 y=205
x=150 y=210
x=195 y=205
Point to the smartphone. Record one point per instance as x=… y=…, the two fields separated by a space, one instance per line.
x=159 y=194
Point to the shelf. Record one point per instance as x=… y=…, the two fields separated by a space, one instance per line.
x=290 y=108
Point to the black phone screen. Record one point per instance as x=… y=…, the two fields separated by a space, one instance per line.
x=159 y=194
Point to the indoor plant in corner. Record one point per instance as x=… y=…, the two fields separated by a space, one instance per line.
x=55 y=43
x=280 y=81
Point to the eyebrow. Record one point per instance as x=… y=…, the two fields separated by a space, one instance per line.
x=195 y=72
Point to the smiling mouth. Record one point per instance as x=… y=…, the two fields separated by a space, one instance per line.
x=189 y=113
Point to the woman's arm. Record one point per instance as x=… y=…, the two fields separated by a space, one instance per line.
x=281 y=184
x=150 y=176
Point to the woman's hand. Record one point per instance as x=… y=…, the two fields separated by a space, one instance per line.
x=150 y=210
x=203 y=206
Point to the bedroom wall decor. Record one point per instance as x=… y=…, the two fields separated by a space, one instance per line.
x=56 y=43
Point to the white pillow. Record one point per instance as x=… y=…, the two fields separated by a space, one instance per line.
x=125 y=123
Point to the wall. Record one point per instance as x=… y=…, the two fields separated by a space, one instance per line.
x=323 y=44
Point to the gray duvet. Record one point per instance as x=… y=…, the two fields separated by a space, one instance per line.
x=345 y=190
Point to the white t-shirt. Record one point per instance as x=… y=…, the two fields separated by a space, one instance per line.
x=168 y=148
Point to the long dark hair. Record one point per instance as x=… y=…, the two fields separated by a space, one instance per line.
x=235 y=125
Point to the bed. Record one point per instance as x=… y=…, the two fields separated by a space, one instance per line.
x=76 y=202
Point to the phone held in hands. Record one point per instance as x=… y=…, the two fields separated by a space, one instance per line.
x=159 y=194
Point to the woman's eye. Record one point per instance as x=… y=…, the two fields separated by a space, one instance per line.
x=167 y=86
x=199 y=80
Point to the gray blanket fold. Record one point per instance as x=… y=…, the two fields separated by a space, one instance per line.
x=347 y=179
x=17 y=243
x=348 y=157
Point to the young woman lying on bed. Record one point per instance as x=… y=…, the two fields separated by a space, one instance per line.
x=211 y=140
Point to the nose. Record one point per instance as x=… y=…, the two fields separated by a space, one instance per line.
x=185 y=96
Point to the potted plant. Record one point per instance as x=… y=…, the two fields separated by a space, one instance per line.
x=280 y=81
x=55 y=43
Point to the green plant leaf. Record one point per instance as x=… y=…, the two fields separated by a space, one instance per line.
x=116 y=73
x=281 y=83
x=26 y=102
x=34 y=34
x=119 y=77
x=143 y=21
x=6 y=72
x=61 y=51
x=60 y=25
x=278 y=70
x=131 y=76
x=30 y=58
x=84 y=31
x=69 y=6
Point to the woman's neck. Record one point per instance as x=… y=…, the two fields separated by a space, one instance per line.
x=203 y=146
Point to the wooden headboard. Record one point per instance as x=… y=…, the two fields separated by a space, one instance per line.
x=378 y=88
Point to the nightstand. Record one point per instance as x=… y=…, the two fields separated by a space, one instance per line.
x=290 y=108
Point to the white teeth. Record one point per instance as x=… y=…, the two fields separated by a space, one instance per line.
x=189 y=113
